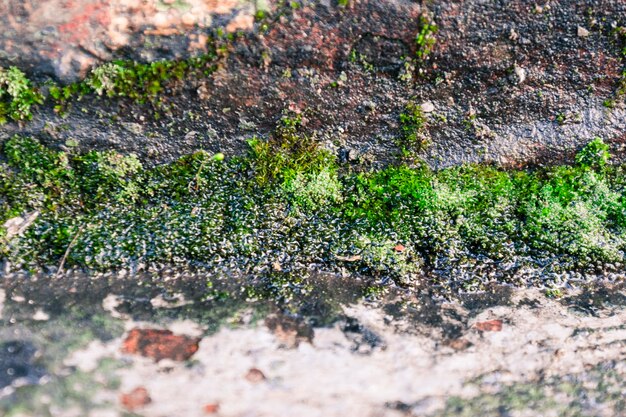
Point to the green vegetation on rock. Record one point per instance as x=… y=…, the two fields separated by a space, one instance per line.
x=288 y=206
x=139 y=82
x=287 y=154
x=425 y=39
x=412 y=123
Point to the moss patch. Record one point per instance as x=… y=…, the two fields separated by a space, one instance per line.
x=286 y=207
x=17 y=95
x=412 y=123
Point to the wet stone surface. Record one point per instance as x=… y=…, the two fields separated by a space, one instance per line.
x=18 y=363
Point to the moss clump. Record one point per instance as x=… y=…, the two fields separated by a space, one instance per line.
x=38 y=178
x=287 y=154
x=412 y=124
x=17 y=95
x=313 y=191
x=594 y=155
x=139 y=82
x=142 y=83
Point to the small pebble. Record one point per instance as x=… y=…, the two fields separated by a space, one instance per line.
x=428 y=107
x=582 y=32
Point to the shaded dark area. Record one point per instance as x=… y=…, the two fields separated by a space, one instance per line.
x=596 y=299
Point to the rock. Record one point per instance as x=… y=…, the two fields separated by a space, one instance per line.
x=160 y=344
x=66 y=38
x=489 y=326
x=19 y=362
x=290 y=331
x=458 y=344
x=369 y=105
x=41 y=315
x=363 y=53
x=135 y=399
x=519 y=75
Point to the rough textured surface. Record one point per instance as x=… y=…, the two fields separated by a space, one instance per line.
x=65 y=38
x=503 y=352
x=507 y=82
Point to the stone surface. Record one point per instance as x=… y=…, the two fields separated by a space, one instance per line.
x=509 y=83
x=553 y=357
x=489 y=326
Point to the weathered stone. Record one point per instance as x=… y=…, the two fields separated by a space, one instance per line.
x=516 y=69
x=255 y=376
x=289 y=331
x=489 y=326
x=18 y=225
x=582 y=32
x=66 y=38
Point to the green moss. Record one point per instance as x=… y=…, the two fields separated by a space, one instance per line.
x=139 y=82
x=107 y=176
x=412 y=123
x=142 y=83
x=35 y=177
x=17 y=95
x=314 y=191
x=287 y=153
x=286 y=206
x=425 y=40
x=594 y=155
x=356 y=57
